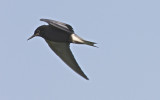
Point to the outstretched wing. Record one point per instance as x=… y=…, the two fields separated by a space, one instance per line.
x=63 y=51
x=60 y=25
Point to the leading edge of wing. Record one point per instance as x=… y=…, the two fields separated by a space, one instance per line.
x=63 y=51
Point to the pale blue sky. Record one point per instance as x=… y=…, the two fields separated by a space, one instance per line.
x=126 y=66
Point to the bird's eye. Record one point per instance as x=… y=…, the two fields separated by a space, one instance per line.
x=38 y=31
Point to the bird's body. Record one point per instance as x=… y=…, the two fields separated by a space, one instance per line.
x=54 y=34
x=59 y=35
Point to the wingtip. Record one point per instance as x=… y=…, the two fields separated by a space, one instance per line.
x=42 y=19
x=45 y=20
x=84 y=76
x=87 y=78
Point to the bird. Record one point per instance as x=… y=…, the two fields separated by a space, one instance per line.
x=58 y=36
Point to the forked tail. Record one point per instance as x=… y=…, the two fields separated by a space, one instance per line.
x=76 y=39
x=89 y=43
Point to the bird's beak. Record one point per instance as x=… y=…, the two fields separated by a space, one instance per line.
x=33 y=36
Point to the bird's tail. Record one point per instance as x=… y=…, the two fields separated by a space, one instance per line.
x=76 y=39
x=89 y=43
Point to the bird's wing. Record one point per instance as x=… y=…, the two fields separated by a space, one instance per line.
x=64 y=52
x=60 y=25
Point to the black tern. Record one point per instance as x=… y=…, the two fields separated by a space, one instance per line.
x=59 y=35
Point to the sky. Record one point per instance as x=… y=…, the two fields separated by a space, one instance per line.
x=126 y=66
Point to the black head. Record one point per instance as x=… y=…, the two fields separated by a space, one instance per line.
x=40 y=31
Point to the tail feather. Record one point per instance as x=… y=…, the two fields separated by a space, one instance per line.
x=76 y=39
x=89 y=43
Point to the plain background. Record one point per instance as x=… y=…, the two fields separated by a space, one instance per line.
x=126 y=66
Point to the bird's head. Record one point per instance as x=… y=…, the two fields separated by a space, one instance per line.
x=38 y=32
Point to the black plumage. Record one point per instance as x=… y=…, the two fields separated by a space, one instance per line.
x=59 y=35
